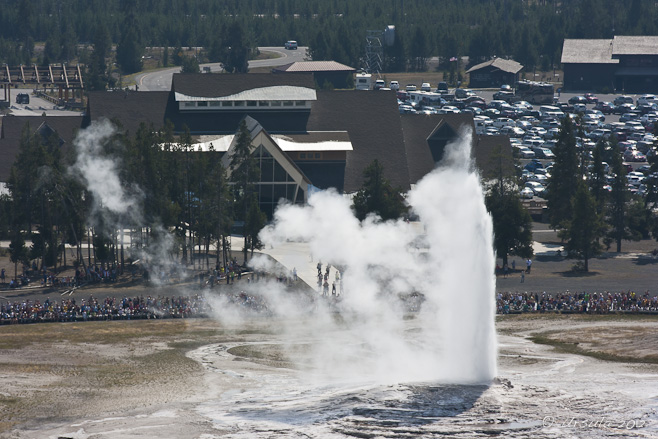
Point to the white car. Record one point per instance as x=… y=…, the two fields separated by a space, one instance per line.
x=503 y=122
x=527 y=193
x=394 y=85
x=525 y=152
x=646 y=99
x=425 y=86
x=537 y=188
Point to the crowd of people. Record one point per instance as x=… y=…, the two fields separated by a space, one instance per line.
x=572 y=302
x=110 y=308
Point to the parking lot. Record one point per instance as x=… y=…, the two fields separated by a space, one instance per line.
x=37 y=107
x=533 y=128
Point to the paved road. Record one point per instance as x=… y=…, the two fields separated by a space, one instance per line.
x=161 y=79
x=38 y=106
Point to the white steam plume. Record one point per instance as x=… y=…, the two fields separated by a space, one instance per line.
x=448 y=258
x=117 y=206
x=99 y=172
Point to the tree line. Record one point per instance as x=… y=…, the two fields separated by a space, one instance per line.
x=182 y=193
x=531 y=32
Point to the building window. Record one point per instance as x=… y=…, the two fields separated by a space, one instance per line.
x=275 y=103
x=302 y=155
x=227 y=103
x=252 y=103
x=239 y=103
x=300 y=103
x=215 y=103
x=202 y=104
x=318 y=155
x=263 y=104
x=189 y=104
x=287 y=103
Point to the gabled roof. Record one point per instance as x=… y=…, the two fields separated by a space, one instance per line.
x=66 y=128
x=220 y=85
x=587 y=52
x=418 y=129
x=314 y=66
x=506 y=65
x=254 y=130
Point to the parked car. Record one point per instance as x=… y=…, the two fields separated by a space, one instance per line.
x=527 y=193
x=591 y=98
x=463 y=93
x=634 y=156
x=512 y=131
x=543 y=153
x=577 y=100
x=536 y=187
x=646 y=99
x=604 y=107
x=22 y=98
x=524 y=152
x=506 y=96
x=379 y=84
x=619 y=100
x=442 y=88
x=394 y=85
x=628 y=116
x=533 y=165
x=503 y=122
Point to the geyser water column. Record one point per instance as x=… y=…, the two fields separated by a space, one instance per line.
x=459 y=230
x=452 y=338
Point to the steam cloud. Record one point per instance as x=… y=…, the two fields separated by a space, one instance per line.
x=117 y=206
x=447 y=257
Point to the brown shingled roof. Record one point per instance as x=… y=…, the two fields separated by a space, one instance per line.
x=218 y=85
x=12 y=128
x=417 y=128
x=373 y=122
x=130 y=108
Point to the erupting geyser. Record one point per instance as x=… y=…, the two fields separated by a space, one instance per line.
x=448 y=258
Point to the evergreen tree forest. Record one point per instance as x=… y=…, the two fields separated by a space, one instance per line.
x=531 y=32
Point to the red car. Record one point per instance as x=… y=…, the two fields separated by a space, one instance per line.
x=591 y=99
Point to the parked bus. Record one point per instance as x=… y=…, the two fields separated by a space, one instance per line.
x=535 y=92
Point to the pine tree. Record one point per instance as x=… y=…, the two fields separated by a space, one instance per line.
x=618 y=199
x=564 y=178
x=512 y=223
x=244 y=173
x=378 y=196
x=130 y=49
x=584 y=230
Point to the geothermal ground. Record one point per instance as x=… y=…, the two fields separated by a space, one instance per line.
x=202 y=379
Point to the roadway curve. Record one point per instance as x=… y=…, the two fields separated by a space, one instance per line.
x=160 y=80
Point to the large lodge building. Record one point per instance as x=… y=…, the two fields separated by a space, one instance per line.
x=304 y=138
x=623 y=64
